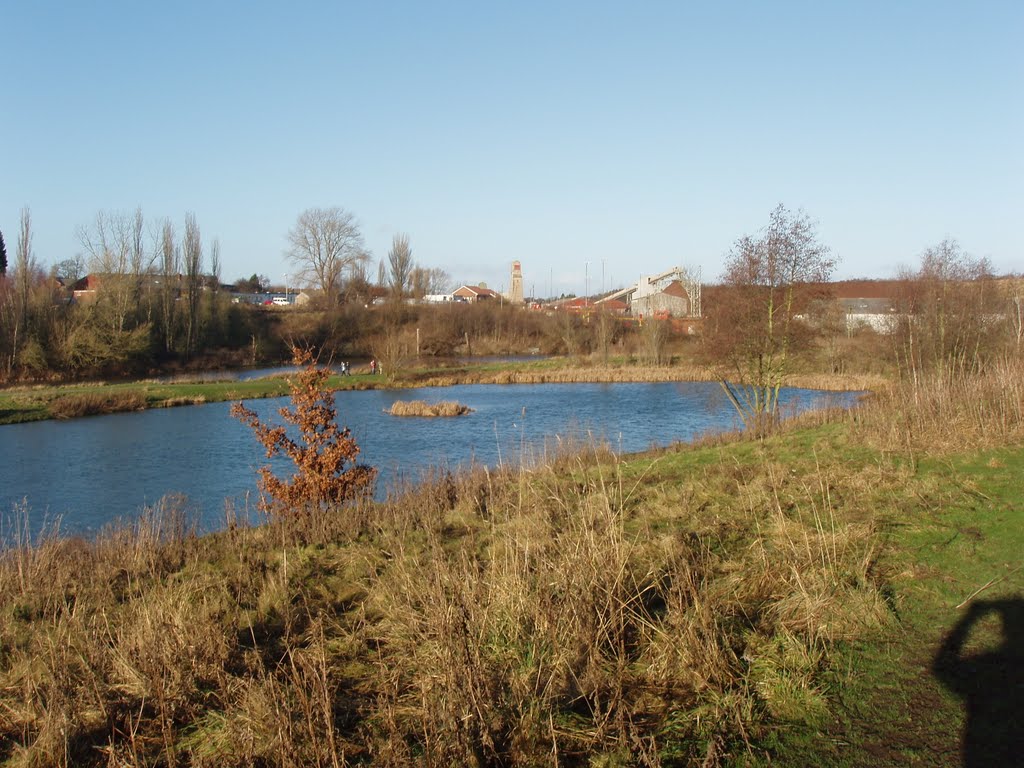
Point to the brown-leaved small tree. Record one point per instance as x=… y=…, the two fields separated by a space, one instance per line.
x=324 y=454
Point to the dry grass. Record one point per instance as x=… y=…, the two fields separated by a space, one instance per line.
x=94 y=403
x=584 y=610
x=834 y=382
x=946 y=413
x=574 y=609
x=641 y=374
x=423 y=408
x=173 y=402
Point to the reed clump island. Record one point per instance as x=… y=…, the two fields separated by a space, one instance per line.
x=750 y=600
x=444 y=408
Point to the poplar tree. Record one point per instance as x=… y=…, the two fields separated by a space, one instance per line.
x=400 y=265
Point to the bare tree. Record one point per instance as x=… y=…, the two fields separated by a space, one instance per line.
x=947 y=308
x=214 y=284
x=756 y=331
x=138 y=263
x=393 y=348
x=170 y=268
x=605 y=329
x=400 y=265
x=28 y=307
x=8 y=324
x=70 y=271
x=17 y=301
x=570 y=329
x=192 y=255
x=1016 y=297
x=325 y=244
x=24 y=264
x=654 y=339
x=117 y=255
x=427 y=281
x=357 y=288
x=215 y=265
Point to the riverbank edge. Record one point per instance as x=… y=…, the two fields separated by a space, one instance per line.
x=36 y=403
x=861 y=716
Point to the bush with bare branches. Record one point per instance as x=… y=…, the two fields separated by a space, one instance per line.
x=754 y=337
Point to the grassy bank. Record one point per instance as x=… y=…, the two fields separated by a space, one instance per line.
x=21 y=404
x=735 y=603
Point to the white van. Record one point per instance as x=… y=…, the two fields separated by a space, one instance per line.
x=281 y=301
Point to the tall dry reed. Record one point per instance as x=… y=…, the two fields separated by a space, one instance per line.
x=587 y=609
x=947 y=412
x=94 y=403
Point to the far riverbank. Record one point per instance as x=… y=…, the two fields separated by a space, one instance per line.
x=36 y=403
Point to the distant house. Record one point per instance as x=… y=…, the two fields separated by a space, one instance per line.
x=474 y=293
x=579 y=304
x=877 y=314
x=867 y=303
x=85 y=288
x=585 y=306
x=251 y=298
x=670 y=300
x=615 y=306
x=673 y=293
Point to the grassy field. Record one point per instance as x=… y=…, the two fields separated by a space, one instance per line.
x=739 y=602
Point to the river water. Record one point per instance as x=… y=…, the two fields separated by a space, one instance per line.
x=91 y=471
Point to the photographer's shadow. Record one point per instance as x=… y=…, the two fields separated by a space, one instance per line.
x=990 y=682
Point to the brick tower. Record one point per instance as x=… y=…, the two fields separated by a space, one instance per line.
x=515 y=294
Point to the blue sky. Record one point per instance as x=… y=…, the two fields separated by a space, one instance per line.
x=581 y=138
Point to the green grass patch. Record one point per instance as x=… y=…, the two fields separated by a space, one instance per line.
x=952 y=529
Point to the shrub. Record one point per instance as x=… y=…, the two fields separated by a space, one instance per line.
x=324 y=453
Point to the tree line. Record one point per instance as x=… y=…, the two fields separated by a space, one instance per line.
x=157 y=302
x=154 y=297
